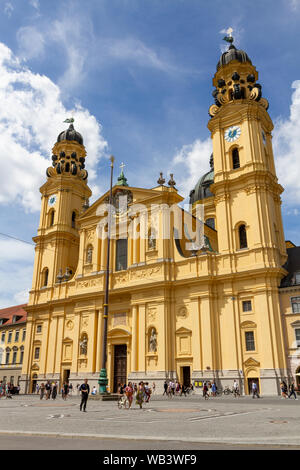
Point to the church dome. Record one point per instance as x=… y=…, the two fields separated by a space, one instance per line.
x=233 y=54
x=202 y=188
x=70 y=134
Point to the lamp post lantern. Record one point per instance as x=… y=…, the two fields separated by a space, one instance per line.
x=103 y=380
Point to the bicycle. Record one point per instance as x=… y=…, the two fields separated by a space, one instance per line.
x=123 y=402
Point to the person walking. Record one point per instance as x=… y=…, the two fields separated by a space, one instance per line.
x=213 y=389
x=54 y=391
x=165 y=388
x=65 y=390
x=205 y=391
x=85 y=390
x=48 y=390
x=236 y=391
x=254 y=390
x=140 y=395
x=42 y=391
x=292 y=391
x=129 y=393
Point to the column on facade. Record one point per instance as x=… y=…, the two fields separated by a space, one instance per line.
x=142 y=337
x=134 y=338
x=135 y=242
x=103 y=250
x=99 y=340
x=206 y=337
x=196 y=336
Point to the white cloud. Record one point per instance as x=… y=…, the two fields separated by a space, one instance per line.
x=31 y=42
x=134 y=50
x=35 y=4
x=192 y=162
x=8 y=9
x=31 y=117
x=16 y=261
x=286 y=150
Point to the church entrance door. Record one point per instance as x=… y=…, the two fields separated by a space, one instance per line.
x=186 y=376
x=120 y=365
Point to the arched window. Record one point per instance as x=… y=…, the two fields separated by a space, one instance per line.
x=45 y=277
x=51 y=217
x=235 y=158
x=73 y=219
x=243 y=237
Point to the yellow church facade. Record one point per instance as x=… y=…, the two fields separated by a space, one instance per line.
x=210 y=309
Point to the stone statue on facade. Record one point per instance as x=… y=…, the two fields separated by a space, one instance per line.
x=153 y=341
x=83 y=346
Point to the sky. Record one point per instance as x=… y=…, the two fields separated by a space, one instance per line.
x=137 y=77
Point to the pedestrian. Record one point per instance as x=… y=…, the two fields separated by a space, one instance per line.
x=37 y=389
x=140 y=395
x=254 y=390
x=147 y=392
x=94 y=391
x=1 y=389
x=214 y=389
x=205 y=391
x=42 y=391
x=129 y=393
x=236 y=391
x=54 y=391
x=70 y=389
x=165 y=388
x=85 y=390
x=65 y=390
x=292 y=391
x=283 y=390
x=48 y=390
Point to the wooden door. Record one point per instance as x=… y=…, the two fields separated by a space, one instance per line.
x=120 y=365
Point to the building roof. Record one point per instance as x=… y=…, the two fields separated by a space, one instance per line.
x=13 y=315
x=70 y=134
x=233 y=54
x=201 y=190
x=293 y=267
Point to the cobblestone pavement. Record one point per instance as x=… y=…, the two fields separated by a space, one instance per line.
x=222 y=420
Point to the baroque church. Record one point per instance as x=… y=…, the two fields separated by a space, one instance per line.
x=220 y=309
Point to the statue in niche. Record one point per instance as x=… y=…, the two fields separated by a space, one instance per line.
x=89 y=255
x=83 y=346
x=153 y=341
x=152 y=240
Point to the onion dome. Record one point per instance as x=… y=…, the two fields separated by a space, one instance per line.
x=233 y=54
x=70 y=134
x=202 y=188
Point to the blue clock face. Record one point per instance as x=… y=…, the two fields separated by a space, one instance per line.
x=52 y=200
x=233 y=133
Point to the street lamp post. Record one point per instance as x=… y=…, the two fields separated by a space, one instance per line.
x=103 y=380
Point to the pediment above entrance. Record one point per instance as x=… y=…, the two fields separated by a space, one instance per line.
x=183 y=330
x=251 y=362
x=35 y=367
x=118 y=332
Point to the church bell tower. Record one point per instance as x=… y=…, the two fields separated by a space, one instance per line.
x=63 y=197
x=246 y=190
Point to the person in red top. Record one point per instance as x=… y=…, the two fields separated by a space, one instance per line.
x=129 y=393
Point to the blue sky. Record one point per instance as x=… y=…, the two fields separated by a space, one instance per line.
x=137 y=77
